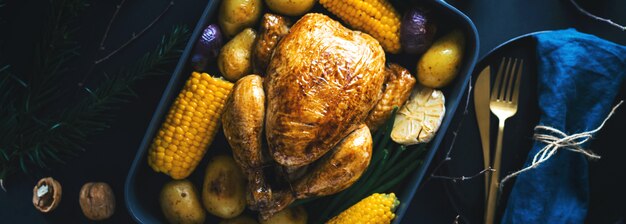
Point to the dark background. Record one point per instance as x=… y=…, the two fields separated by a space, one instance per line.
x=109 y=156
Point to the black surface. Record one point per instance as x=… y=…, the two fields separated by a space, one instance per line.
x=109 y=156
x=111 y=153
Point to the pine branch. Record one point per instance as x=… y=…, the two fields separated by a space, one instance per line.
x=26 y=95
x=117 y=89
x=55 y=140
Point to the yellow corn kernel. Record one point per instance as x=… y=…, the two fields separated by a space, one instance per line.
x=377 y=208
x=375 y=17
x=190 y=126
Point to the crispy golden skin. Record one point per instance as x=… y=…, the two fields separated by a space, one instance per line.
x=333 y=173
x=398 y=88
x=242 y=121
x=341 y=168
x=273 y=29
x=323 y=79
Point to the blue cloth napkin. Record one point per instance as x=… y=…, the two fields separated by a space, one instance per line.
x=578 y=77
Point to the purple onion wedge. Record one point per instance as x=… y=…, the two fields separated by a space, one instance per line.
x=207 y=48
x=417 y=31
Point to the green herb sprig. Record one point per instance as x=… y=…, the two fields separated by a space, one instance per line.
x=38 y=124
x=26 y=96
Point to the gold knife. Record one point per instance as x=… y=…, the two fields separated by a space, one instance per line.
x=481 y=107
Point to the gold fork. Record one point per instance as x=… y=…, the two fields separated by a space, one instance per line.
x=503 y=103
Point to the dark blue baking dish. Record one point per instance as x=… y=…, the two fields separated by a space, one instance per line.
x=143 y=185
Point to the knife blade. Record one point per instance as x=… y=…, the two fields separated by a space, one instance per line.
x=481 y=107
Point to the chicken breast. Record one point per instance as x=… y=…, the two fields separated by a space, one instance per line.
x=323 y=79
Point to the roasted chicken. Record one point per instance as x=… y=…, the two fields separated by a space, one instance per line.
x=323 y=80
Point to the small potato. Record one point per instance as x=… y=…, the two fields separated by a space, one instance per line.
x=180 y=203
x=290 y=7
x=289 y=215
x=441 y=62
x=236 y=15
x=239 y=220
x=223 y=192
x=234 y=60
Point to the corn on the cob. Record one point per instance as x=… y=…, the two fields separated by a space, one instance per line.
x=375 y=17
x=190 y=126
x=377 y=208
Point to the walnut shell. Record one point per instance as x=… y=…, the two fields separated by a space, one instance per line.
x=97 y=201
x=47 y=200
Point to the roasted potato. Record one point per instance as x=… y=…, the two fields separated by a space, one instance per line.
x=234 y=58
x=223 y=191
x=239 y=220
x=290 y=215
x=236 y=15
x=180 y=203
x=290 y=7
x=441 y=62
x=273 y=28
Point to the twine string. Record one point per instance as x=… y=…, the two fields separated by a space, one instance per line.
x=555 y=140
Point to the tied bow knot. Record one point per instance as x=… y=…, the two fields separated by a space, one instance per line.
x=556 y=139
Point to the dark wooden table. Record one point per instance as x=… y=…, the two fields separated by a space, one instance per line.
x=109 y=156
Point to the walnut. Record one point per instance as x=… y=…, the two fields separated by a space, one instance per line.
x=97 y=201
x=47 y=194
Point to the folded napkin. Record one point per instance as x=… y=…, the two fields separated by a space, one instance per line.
x=578 y=77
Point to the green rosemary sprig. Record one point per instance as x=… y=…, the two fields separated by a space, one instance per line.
x=38 y=125
x=93 y=113
x=54 y=138
x=26 y=96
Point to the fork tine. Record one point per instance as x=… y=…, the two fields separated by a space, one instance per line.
x=510 y=77
x=514 y=100
x=507 y=74
x=496 y=85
